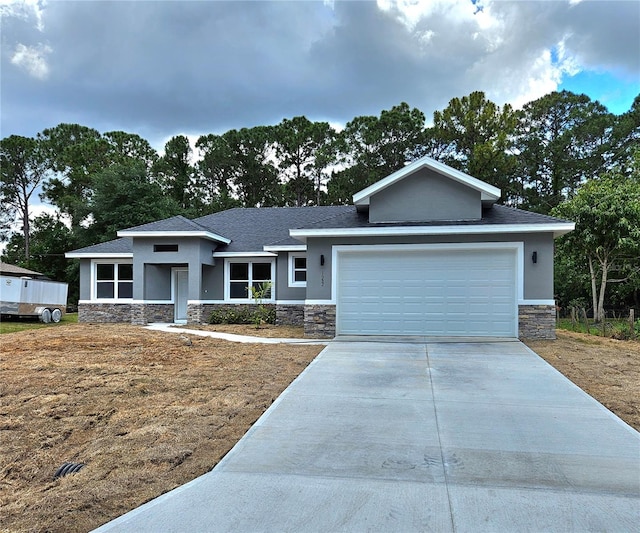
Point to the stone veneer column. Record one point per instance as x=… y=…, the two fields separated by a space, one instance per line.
x=537 y=321
x=196 y=314
x=320 y=321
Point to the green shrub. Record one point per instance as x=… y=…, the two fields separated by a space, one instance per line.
x=243 y=315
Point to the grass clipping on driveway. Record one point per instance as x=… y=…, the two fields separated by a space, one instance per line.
x=145 y=411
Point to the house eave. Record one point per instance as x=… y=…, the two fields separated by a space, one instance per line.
x=176 y=234
x=286 y=248
x=89 y=255
x=245 y=254
x=557 y=229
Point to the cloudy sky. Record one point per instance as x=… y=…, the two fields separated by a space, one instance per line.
x=162 y=68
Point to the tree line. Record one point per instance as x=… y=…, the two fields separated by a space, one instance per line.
x=543 y=157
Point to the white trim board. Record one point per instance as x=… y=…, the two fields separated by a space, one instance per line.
x=558 y=228
x=244 y=254
x=162 y=234
x=72 y=255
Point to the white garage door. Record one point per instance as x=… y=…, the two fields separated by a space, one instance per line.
x=439 y=292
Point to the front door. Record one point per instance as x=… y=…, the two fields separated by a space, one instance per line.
x=180 y=294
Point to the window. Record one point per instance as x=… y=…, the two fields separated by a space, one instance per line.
x=297 y=270
x=165 y=247
x=246 y=274
x=114 y=281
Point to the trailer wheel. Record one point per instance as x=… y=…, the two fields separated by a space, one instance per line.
x=45 y=316
x=56 y=315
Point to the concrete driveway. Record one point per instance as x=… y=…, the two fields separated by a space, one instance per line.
x=418 y=436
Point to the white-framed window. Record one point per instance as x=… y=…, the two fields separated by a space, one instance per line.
x=298 y=270
x=242 y=274
x=113 y=281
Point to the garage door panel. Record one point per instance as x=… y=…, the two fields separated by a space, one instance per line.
x=428 y=292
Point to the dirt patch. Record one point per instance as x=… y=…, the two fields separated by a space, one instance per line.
x=267 y=330
x=146 y=411
x=607 y=369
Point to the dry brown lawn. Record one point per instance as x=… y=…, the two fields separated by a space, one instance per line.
x=148 y=411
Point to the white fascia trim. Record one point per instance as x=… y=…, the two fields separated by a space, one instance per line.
x=244 y=254
x=287 y=248
x=558 y=229
x=176 y=234
x=72 y=255
x=320 y=302
x=537 y=302
x=280 y=302
x=488 y=192
x=127 y=301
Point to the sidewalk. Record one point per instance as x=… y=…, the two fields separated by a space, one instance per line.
x=171 y=328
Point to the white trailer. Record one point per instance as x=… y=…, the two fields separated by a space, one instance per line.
x=28 y=297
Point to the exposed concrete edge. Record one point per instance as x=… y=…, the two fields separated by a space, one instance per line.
x=580 y=390
x=171 y=328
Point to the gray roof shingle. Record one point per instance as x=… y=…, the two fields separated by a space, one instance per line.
x=177 y=223
x=250 y=229
x=124 y=245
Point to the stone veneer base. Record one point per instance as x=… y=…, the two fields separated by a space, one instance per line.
x=537 y=322
x=534 y=321
x=104 y=313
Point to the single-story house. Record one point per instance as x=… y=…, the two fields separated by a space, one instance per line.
x=424 y=251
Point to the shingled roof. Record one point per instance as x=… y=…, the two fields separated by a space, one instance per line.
x=251 y=229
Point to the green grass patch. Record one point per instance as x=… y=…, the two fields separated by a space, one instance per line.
x=12 y=325
x=614 y=328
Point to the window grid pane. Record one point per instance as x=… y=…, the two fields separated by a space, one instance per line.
x=261 y=271
x=239 y=271
x=125 y=289
x=105 y=272
x=125 y=272
x=105 y=289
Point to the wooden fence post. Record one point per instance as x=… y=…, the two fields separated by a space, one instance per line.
x=632 y=323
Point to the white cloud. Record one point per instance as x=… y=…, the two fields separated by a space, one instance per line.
x=32 y=59
x=25 y=10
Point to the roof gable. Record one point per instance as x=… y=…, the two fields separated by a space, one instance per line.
x=488 y=193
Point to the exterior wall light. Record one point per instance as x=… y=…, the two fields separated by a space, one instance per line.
x=534 y=257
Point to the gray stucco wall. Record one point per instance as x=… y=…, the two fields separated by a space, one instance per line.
x=425 y=195
x=283 y=291
x=213 y=281
x=538 y=278
x=192 y=253
x=157 y=282
x=85 y=279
